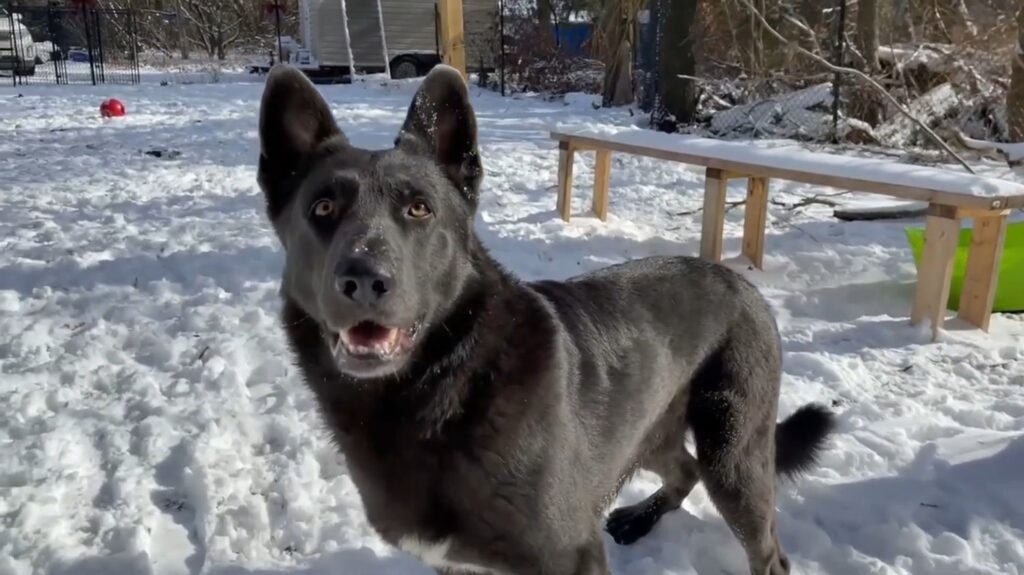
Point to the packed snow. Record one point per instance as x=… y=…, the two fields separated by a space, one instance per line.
x=154 y=423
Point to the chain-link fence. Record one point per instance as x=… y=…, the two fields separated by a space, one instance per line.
x=53 y=44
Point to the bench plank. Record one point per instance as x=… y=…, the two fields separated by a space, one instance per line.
x=923 y=183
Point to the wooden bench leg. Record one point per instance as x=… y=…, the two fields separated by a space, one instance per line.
x=713 y=224
x=979 y=288
x=931 y=293
x=754 y=220
x=565 y=159
x=602 y=172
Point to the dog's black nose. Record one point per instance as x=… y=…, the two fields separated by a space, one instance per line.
x=362 y=281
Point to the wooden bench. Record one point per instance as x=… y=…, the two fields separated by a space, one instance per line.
x=951 y=196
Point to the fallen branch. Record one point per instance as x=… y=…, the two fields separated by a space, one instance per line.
x=728 y=207
x=844 y=70
x=818 y=199
x=896 y=212
x=1012 y=153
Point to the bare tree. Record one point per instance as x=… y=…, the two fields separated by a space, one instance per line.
x=1015 y=96
x=965 y=23
x=615 y=44
x=215 y=25
x=867 y=33
x=544 y=12
x=749 y=36
x=812 y=12
x=677 y=91
x=866 y=103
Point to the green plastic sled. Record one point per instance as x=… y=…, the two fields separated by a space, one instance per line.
x=1009 y=288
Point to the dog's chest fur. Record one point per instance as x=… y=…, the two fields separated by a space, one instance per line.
x=420 y=495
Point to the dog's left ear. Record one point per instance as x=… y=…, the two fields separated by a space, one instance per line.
x=441 y=124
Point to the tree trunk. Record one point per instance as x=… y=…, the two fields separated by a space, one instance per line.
x=221 y=55
x=750 y=36
x=867 y=33
x=617 y=29
x=544 y=13
x=966 y=30
x=866 y=104
x=813 y=13
x=618 y=79
x=1015 y=96
x=179 y=27
x=677 y=95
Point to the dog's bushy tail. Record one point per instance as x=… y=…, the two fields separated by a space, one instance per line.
x=800 y=437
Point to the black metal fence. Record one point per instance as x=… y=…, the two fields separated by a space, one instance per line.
x=65 y=45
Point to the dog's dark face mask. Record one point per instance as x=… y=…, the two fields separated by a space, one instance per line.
x=376 y=242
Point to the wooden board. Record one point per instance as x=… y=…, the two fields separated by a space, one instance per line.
x=713 y=226
x=602 y=172
x=754 y=220
x=866 y=182
x=979 y=288
x=453 y=39
x=565 y=161
x=931 y=293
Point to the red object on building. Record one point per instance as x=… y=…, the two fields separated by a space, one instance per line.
x=83 y=3
x=112 y=108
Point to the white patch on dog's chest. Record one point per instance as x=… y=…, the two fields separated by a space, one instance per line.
x=436 y=555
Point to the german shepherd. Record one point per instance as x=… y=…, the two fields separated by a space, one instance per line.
x=487 y=422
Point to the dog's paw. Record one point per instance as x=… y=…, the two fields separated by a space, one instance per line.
x=628 y=524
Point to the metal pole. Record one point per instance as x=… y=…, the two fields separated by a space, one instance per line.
x=14 y=49
x=50 y=27
x=88 y=43
x=134 y=38
x=840 y=54
x=277 y=18
x=501 y=26
x=99 y=42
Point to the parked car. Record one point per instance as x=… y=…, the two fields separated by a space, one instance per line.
x=76 y=54
x=17 y=49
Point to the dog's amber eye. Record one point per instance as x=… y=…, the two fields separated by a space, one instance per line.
x=418 y=210
x=323 y=209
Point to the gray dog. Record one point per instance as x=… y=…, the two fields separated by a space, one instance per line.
x=487 y=422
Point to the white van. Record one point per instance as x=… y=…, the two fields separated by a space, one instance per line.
x=17 y=49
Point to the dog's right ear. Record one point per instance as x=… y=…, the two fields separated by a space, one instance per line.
x=294 y=121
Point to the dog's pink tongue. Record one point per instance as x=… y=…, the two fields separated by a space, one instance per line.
x=369 y=334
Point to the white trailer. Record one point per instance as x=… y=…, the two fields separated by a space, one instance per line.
x=407 y=31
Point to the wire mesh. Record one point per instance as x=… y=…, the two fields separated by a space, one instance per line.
x=62 y=45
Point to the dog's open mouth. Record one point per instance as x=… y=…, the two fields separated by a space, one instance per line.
x=369 y=340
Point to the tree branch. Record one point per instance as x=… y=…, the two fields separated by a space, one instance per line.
x=729 y=206
x=862 y=76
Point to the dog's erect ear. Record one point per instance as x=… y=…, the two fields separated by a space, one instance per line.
x=441 y=123
x=294 y=121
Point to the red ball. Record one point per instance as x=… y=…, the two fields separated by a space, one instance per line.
x=112 y=108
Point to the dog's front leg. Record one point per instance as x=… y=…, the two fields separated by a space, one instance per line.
x=591 y=559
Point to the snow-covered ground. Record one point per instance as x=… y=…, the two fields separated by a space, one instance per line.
x=153 y=423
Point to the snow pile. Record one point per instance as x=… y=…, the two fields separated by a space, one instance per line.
x=154 y=424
